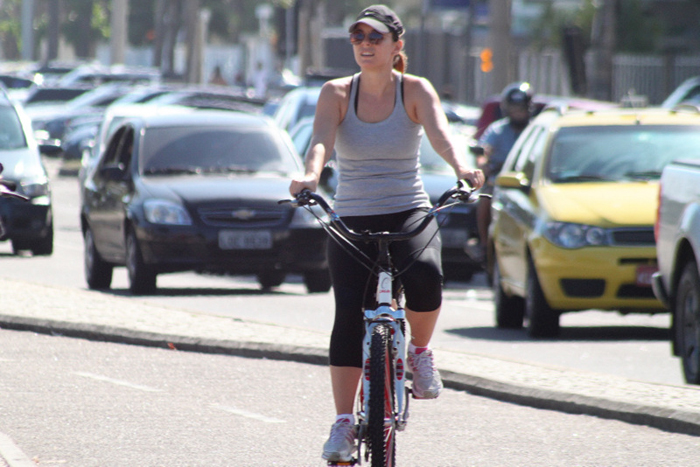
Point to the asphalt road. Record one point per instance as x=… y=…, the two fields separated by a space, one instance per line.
x=81 y=403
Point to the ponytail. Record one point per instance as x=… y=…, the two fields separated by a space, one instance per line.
x=401 y=62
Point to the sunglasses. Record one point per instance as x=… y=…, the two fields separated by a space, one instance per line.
x=374 y=37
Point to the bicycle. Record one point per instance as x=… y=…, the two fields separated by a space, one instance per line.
x=384 y=410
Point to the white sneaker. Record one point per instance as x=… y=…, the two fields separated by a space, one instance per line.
x=341 y=443
x=426 y=378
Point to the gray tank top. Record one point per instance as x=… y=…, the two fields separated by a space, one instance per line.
x=378 y=162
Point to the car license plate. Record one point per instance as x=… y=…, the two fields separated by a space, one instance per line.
x=644 y=272
x=454 y=238
x=245 y=240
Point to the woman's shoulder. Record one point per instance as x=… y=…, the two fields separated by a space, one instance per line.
x=415 y=80
x=338 y=86
x=335 y=91
x=417 y=85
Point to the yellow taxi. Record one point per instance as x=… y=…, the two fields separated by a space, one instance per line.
x=573 y=213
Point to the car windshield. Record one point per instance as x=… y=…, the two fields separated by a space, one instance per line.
x=614 y=153
x=200 y=150
x=11 y=134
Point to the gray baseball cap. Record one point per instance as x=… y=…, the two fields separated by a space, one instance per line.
x=380 y=17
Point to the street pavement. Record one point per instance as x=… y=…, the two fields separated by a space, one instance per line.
x=106 y=317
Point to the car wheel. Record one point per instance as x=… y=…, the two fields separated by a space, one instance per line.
x=510 y=311
x=687 y=314
x=44 y=246
x=317 y=281
x=98 y=273
x=269 y=279
x=543 y=321
x=142 y=279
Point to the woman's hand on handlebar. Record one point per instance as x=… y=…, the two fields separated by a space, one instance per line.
x=308 y=181
x=475 y=178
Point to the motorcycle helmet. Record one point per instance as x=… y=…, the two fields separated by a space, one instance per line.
x=519 y=93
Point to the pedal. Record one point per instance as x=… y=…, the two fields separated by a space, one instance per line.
x=341 y=463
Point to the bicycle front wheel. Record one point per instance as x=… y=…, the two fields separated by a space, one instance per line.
x=381 y=429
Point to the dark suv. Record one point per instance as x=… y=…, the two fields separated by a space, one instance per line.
x=27 y=224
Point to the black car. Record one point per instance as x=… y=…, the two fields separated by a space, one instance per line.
x=199 y=192
x=27 y=224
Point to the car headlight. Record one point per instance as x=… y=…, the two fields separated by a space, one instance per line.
x=160 y=211
x=35 y=188
x=568 y=235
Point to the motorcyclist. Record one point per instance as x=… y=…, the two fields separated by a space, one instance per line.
x=496 y=141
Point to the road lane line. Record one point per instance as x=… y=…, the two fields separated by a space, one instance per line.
x=116 y=381
x=13 y=455
x=244 y=413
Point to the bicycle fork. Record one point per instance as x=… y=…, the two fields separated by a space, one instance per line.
x=394 y=320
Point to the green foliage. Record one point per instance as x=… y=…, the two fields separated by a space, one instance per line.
x=637 y=31
x=10 y=28
x=547 y=31
x=141 y=22
x=86 y=22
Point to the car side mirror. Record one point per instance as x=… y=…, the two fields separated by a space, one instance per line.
x=50 y=148
x=513 y=180
x=47 y=145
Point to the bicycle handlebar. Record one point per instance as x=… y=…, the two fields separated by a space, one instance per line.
x=462 y=191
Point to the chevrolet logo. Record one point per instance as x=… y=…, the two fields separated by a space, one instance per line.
x=243 y=214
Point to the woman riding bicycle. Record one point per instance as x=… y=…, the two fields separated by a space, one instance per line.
x=375 y=120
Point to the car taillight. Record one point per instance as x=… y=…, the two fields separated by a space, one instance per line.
x=658 y=216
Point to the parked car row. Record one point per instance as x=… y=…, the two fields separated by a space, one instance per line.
x=172 y=178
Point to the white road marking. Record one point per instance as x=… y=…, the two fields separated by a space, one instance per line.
x=116 y=381
x=13 y=455
x=245 y=413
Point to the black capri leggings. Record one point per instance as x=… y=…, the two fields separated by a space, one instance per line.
x=422 y=281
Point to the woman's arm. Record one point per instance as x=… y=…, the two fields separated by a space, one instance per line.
x=330 y=111
x=423 y=106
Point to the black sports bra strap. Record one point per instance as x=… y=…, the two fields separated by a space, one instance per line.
x=357 y=91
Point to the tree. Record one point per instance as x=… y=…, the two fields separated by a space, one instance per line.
x=86 y=24
x=10 y=28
